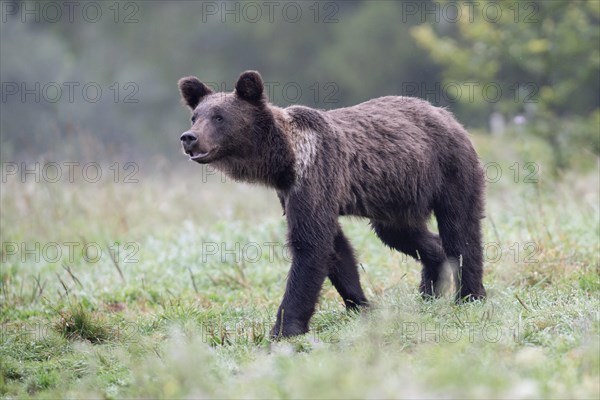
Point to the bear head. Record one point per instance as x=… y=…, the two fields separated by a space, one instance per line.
x=224 y=125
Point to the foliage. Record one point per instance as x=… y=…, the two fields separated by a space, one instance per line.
x=544 y=57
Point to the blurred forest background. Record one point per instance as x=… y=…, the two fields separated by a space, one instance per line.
x=526 y=67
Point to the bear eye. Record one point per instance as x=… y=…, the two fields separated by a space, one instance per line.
x=218 y=118
x=194 y=119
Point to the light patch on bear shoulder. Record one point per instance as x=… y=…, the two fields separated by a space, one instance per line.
x=304 y=144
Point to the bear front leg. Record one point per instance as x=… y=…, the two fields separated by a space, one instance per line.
x=343 y=273
x=305 y=280
x=311 y=238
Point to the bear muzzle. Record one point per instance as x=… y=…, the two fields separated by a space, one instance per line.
x=191 y=147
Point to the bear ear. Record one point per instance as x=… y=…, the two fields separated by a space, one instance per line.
x=250 y=86
x=192 y=90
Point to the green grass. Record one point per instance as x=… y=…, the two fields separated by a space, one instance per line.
x=180 y=302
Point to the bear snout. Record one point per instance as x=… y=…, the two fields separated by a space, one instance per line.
x=199 y=149
x=188 y=140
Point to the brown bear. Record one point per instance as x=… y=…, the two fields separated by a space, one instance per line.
x=393 y=160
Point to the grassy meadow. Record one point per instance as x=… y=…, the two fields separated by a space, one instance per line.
x=165 y=283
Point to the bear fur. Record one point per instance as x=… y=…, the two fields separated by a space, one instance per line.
x=393 y=160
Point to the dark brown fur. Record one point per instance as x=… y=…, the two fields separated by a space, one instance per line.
x=393 y=160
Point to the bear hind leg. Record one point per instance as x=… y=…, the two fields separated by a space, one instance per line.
x=461 y=239
x=420 y=244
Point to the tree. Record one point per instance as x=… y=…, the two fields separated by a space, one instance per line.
x=543 y=57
